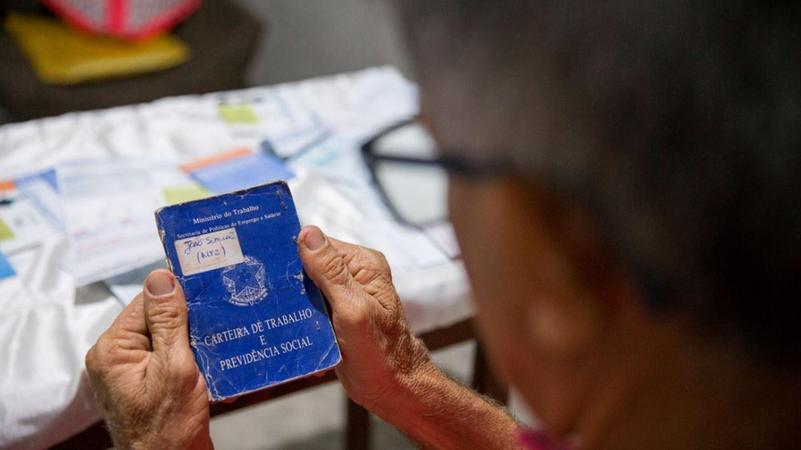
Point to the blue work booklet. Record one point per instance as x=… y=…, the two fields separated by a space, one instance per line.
x=255 y=319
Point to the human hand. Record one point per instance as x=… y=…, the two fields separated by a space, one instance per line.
x=144 y=374
x=380 y=355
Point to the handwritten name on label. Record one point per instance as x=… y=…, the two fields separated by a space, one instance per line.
x=209 y=251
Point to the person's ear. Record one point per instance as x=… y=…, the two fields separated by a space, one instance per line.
x=558 y=325
x=571 y=300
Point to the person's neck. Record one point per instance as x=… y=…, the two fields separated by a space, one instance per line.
x=688 y=395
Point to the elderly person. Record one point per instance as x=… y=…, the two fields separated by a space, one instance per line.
x=625 y=184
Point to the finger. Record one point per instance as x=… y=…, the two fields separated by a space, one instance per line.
x=126 y=336
x=132 y=318
x=369 y=268
x=359 y=257
x=165 y=312
x=326 y=265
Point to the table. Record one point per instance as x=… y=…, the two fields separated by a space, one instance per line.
x=49 y=323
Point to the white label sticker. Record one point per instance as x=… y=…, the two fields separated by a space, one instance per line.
x=209 y=251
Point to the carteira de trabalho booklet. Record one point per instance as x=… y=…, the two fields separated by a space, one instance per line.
x=255 y=319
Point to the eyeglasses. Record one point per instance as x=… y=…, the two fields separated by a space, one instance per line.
x=411 y=175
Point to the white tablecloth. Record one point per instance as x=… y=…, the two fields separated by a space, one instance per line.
x=47 y=325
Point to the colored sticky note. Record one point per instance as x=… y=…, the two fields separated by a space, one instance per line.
x=238 y=114
x=5 y=231
x=180 y=194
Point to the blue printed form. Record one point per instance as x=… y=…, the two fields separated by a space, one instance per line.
x=5 y=268
x=241 y=172
x=255 y=319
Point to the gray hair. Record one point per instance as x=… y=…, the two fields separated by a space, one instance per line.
x=678 y=123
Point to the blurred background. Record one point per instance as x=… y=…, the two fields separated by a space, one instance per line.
x=308 y=38
x=233 y=44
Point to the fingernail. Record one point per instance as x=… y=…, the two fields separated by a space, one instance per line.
x=160 y=283
x=314 y=238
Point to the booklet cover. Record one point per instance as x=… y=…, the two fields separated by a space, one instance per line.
x=255 y=319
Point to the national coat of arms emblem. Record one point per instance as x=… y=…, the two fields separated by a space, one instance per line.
x=245 y=282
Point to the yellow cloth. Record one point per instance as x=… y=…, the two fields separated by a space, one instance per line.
x=62 y=55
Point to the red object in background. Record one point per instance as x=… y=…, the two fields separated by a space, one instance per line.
x=127 y=19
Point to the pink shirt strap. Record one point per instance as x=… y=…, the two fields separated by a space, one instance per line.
x=537 y=440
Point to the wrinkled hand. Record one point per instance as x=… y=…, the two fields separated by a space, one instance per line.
x=379 y=353
x=144 y=375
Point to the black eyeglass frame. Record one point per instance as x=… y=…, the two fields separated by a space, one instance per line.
x=657 y=294
x=450 y=164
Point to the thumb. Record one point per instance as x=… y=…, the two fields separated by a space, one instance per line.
x=165 y=312
x=325 y=265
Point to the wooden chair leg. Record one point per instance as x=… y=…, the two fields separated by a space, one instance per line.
x=357 y=433
x=484 y=380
